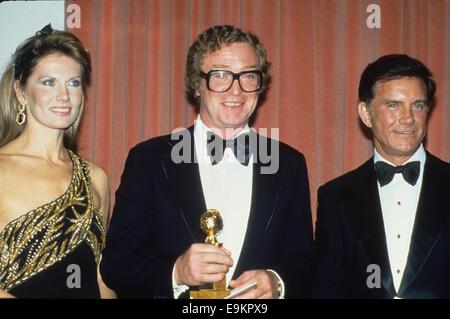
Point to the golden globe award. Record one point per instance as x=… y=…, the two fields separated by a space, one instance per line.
x=211 y=224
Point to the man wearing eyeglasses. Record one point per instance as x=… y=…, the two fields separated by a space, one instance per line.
x=155 y=247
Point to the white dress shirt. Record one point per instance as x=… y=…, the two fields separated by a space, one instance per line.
x=227 y=187
x=399 y=202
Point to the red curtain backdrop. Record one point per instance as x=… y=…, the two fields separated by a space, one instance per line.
x=318 y=49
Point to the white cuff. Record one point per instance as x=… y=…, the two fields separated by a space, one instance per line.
x=177 y=289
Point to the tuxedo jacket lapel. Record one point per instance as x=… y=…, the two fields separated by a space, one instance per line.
x=265 y=193
x=367 y=220
x=185 y=183
x=431 y=216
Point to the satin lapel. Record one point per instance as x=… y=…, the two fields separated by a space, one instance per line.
x=367 y=220
x=431 y=216
x=186 y=187
x=265 y=193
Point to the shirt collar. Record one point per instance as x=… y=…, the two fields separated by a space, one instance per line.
x=419 y=155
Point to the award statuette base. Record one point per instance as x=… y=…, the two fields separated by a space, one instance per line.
x=218 y=291
x=209 y=294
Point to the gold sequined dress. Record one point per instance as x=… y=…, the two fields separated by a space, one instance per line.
x=53 y=251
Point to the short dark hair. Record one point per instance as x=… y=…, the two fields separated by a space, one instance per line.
x=390 y=67
x=214 y=39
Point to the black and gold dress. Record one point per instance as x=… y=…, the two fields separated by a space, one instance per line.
x=53 y=251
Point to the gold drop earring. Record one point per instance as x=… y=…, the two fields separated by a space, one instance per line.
x=21 y=117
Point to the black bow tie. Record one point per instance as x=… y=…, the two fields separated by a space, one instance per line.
x=386 y=172
x=240 y=146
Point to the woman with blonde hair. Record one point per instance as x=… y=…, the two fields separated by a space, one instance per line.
x=53 y=204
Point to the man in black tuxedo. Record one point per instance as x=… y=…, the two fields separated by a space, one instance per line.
x=383 y=230
x=155 y=247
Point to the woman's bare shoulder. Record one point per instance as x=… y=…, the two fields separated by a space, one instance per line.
x=100 y=186
x=98 y=174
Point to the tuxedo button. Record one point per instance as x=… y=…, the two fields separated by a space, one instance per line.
x=398 y=236
x=399 y=203
x=398 y=271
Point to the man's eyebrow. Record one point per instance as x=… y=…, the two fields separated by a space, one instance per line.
x=397 y=101
x=219 y=66
x=250 y=67
x=391 y=101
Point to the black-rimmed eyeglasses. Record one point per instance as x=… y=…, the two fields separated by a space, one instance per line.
x=220 y=81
